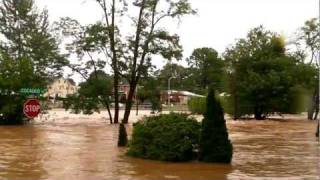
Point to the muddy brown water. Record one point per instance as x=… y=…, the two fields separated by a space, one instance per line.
x=285 y=149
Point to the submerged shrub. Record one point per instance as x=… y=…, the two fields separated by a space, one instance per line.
x=197 y=105
x=172 y=137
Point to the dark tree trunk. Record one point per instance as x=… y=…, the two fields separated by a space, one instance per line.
x=310 y=113
x=116 y=98
x=236 y=111
x=313 y=106
x=108 y=109
x=129 y=103
x=110 y=115
x=316 y=106
x=316 y=113
x=258 y=113
x=137 y=104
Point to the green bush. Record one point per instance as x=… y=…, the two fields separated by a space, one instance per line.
x=171 y=137
x=197 y=105
x=215 y=145
x=11 y=110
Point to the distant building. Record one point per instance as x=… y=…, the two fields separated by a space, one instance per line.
x=61 y=88
x=123 y=90
x=178 y=97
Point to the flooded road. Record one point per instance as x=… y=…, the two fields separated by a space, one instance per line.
x=285 y=149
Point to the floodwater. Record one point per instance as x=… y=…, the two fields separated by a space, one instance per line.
x=78 y=149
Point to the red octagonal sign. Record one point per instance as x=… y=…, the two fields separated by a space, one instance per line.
x=31 y=108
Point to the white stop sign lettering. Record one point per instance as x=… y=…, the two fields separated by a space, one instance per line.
x=32 y=108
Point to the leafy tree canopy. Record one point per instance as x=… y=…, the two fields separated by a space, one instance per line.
x=264 y=78
x=29 y=55
x=207 y=67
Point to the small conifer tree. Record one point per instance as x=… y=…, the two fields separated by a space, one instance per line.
x=215 y=145
x=123 y=139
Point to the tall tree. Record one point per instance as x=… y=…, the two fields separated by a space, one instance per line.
x=208 y=68
x=266 y=79
x=151 y=39
x=29 y=54
x=309 y=43
x=129 y=54
x=89 y=44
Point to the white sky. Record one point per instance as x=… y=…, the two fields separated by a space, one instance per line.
x=218 y=22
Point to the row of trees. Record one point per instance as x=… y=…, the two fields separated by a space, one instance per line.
x=30 y=55
x=258 y=74
x=105 y=44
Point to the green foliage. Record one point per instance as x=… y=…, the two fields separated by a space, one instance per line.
x=308 y=39
x=308 y=45
x=215 y=145
x=123 y=138
x=29 y=55
x=183 y=77
x=197 y=105
x=11 y=110
x=129 y=54
x=92 y=94
x=150 y=90
x=156 y=104
x=207 y=68
x=263 y=78
x=171 y=137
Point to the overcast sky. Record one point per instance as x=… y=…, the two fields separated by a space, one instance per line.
x=218 y=22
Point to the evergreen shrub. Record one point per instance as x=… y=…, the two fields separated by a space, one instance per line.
x=171 y=137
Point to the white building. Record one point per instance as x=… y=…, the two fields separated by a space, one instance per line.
x=61 y=88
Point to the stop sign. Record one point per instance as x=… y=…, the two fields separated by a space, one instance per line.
x=31 y=108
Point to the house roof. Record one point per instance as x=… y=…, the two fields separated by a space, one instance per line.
x=184 y=93
x=187 y=93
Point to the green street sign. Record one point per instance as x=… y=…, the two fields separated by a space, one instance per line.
x=33 y=90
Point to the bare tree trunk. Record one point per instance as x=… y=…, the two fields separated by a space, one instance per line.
x=129 y=103
x=311 y=108
x=258 y=113
x=137 y=108
x=106 y=103
x=111 y=34
x=110 y=115
x=116 y=98
x=312 y=105
x=316 y=105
